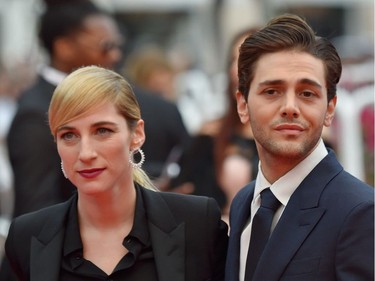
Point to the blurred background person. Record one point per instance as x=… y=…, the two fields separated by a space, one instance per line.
x=10 y=87
x=222 y=157
x=236 y=157
x=357 y=85
x=152 y=76
x=150 y=68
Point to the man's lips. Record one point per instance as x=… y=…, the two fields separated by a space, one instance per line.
x=290 y=129
x=91 y=173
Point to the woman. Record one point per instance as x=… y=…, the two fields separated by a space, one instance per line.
x=116 y=226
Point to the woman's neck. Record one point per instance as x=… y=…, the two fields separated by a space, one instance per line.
x=106 y=211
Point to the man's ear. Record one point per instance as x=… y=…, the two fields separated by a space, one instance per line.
x=242 y=108
x=330 y=112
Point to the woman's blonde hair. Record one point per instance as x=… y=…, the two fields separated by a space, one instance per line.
x=84 y=90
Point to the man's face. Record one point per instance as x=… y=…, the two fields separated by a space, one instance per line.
x=98 y=43
x=287 y=105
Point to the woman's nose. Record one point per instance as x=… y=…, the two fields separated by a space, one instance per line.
x=87 y=150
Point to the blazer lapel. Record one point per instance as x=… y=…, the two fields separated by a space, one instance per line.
x=46 y=248
x=239 y=215
x=43 y=255
x=285 y=241
x=299 y=218
x=167 y=237
x=169 y=252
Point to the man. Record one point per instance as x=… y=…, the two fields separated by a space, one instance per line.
x=323 y=226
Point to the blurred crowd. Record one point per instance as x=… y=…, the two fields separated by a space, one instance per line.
x=195 y=142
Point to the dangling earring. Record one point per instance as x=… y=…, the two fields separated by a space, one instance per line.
x=63 y=171
x=131 y=158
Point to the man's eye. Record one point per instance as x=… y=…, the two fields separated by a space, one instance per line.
x=270 y=91
x=307 y=94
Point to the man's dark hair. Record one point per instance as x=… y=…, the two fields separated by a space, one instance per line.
x=287 y=32
x=62 y=18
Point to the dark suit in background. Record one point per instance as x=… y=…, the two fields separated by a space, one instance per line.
x=164 y=130
x=38 y=180
x=325 y=233
x=188 y=238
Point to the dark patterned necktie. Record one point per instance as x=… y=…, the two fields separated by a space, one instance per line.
x=260 y=230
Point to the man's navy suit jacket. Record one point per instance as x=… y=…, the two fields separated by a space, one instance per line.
x=325 y=233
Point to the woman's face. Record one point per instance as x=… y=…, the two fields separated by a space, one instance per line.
x=95 y=149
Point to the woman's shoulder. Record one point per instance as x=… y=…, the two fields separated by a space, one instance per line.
x=181 y=198
x=181 y=203
x=34 y=221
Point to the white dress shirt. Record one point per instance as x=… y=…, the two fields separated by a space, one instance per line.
x=283 y=189
x=52 y=75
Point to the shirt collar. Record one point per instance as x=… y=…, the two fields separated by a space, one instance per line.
x=284 y=187
x=73 y=242
x=140 y=226
x=52 y=75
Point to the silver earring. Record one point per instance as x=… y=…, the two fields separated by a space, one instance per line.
x=63 y=171
x=131 y=158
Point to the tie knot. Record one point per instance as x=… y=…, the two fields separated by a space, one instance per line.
x=268 y=200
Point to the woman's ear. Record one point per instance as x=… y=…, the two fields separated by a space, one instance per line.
x=138 y=135
x=242 y=108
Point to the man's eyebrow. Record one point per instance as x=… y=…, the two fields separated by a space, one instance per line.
x=310 y=82
x=281 y=82
x=272 y=82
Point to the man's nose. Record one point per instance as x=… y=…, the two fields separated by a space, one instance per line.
x=290 y=106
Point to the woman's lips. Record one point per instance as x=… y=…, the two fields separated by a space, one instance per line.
x=90 y=173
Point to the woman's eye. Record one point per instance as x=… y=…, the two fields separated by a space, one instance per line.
x=68 y=136
x=103 y=131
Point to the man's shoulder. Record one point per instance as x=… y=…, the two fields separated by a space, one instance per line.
x=146 y=98
x=353 y=187
x=37 y=96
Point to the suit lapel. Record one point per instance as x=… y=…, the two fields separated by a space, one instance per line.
x=42 y=255
x=239 y=215
x=299 y=218
x=285 y=241
x=46 y=248
x=169 y=252
x=167 y=238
